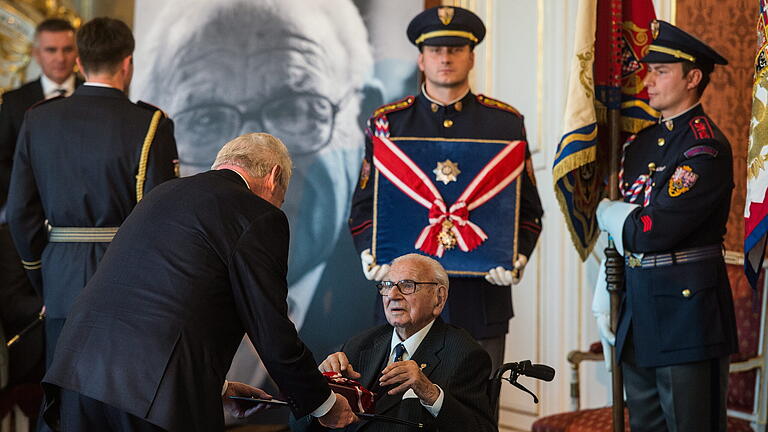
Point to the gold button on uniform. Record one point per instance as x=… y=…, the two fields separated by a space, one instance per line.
x=686 y=293
x=434 y=107
x=660 y=142
x=448 y=123
x=458 y=106
x=652 y=166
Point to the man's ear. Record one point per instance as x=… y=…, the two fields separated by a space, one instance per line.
x=126 y=64
x=694 y=78
x=80 y=67
x=441 y=295
x=273 y=178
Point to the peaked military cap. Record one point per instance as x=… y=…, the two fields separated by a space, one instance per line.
x=672 y=45
x=446 y=25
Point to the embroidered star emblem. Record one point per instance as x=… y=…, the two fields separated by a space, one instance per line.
x=446 y=171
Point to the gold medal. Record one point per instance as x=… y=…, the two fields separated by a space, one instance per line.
x=446 y=237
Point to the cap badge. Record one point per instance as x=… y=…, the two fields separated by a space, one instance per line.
x=445 y=14
x=655 y=29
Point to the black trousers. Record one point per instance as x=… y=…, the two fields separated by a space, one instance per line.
x=80 y=413
x=688 y=397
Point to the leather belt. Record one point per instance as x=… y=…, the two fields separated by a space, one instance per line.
x=677 y=257
x=82 y=234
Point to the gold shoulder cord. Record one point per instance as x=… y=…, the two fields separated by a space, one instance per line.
x=141 y=176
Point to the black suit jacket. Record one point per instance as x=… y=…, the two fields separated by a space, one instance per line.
x=453 y=360
x=15 y=104
x=200 y=261
x=75 y=166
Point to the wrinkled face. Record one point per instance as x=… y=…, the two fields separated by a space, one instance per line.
x=56 y=52
x=446 y=66
x=410 y=313
x=268 y=76
x=667 y=86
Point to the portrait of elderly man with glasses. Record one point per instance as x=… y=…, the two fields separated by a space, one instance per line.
x=291 y=68
x=420 y=368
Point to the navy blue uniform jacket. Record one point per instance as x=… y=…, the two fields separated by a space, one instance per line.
x=669 y=327
x=75 y=166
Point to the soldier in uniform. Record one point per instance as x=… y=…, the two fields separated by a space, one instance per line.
x=54 y=51
x=677 y=324
x=81 y=164
x=446 y=108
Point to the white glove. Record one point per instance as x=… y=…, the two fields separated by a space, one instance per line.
x=601 y=309
x=503 y=277
x=610 y=218
x=372 y=271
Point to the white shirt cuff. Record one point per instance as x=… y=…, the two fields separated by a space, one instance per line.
x=325 y=407
x=224 y=387
x=434 y=409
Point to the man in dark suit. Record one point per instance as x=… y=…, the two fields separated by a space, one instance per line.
x=677 y=326
x=54 y=51
x=198 y=263
x=81 y=164
x=420 y=368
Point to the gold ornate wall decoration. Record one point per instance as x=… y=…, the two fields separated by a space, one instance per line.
x=18 y=19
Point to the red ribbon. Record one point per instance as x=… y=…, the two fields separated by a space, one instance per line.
x=497 y=174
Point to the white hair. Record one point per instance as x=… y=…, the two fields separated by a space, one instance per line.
x=257 y=154
x=438 y=273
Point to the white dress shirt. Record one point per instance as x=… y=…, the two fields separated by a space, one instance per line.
x=51 y=89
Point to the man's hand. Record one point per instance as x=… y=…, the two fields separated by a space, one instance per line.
x=371 y=271
x=338 y=362
x=409 y=376
x=340 y=415
x=503 y=277
x=241 y=409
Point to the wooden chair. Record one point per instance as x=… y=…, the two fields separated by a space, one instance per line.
x=747 y=383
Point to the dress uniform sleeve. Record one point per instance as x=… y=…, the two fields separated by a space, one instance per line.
x=7 y=146
x=361 y=213
x=258 y=271
x=163 y=156
x=676 y=213
x=530 y=208
x=24 y=211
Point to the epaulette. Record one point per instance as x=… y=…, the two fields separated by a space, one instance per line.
x=394 y=106
x=150 y=107
x=701 y=128
x=701 y=150
x=493 y=103
x=44 y=101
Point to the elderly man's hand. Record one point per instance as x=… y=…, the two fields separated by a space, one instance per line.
x=242 y=409
x=338 y=362
x=409 y=376
x=340 y=415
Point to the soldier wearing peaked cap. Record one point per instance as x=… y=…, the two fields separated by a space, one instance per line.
x=445 y=108
x=677 y=324
x=81 y=165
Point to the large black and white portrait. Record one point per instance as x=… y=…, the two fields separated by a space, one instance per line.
x=309 y=72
